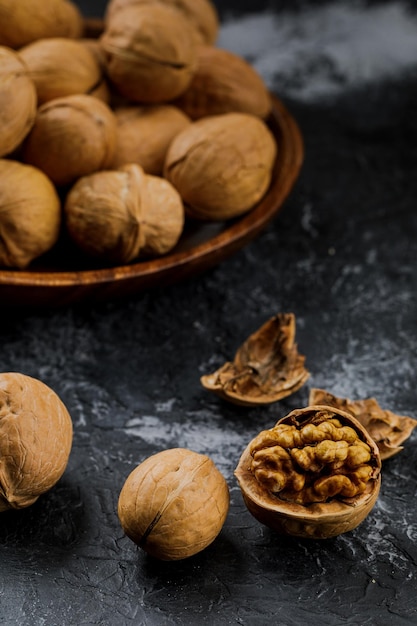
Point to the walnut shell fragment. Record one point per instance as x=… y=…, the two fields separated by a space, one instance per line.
x=315 y=474
x=387 y=429
x=35 y=439
x=267 y=367
x=174 y=504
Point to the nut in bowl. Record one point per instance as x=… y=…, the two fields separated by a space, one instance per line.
x=315 y=474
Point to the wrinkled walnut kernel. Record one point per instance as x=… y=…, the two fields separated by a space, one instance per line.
x=387 y=429
x=266 y=368
x=318 y=461
x=315 y=474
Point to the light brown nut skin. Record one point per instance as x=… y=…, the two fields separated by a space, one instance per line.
x=222 y=165
x=72 y=136
x=18 y=101
x=315 y=520
x=30 y=214
x=174 y=504
x=25 y=21
x=150 y=52
x=224 y=82
x=201 y=13
x=35 y=439
x=144 y=134
x=60 y=67
x=117 y=214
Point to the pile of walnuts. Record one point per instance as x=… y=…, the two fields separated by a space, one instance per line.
x=115 y=140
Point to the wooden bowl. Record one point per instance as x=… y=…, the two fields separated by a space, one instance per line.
x=55 y=281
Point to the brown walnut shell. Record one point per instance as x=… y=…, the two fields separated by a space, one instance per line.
x=144 y=134
x=222 y=165
x=222 y=83
x=25 y=21
x=35 y=439
x=60 y=67
x=201 y=13
x=174 y=504
x=328 y=512
x=266 y=368
x=386 y=428
x=72 y=136
x=150 y=52
x=117 y=214
x=18 y=101
x=30 y=214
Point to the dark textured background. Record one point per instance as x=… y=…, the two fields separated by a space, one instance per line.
x=342 y=256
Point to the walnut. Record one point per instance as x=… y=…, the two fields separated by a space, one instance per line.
x=25 y=21
x=35 y=439
x=72 y=136
x=150 y=51
x=315 y=474
x=117 y=214
x=386 y=428
x=221 y=165
x=224 y=82
x=174 y=504
x=144 y=134
x=266 y=368
x=18 y=101
x=201 y=13
x=30 y=214
x=61 y=67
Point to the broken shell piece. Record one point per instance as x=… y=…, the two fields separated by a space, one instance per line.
x=387 y=429
x=266 y=368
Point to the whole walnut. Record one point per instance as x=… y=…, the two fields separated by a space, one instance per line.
x=315 y=474
x=151 y=52
x=18 y=101
x=35 y=439
x=24 y=21
x=201 y=13
x=30 y=214
x=72 y=136
x=117 y=214
x=144 y=134
x=61 y=67
x=174 y=504
x=221 y=165
x=224 y=82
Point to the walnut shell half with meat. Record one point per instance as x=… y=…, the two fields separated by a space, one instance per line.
x=315 y=474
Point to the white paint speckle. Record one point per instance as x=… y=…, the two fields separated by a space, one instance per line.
x=327 y=49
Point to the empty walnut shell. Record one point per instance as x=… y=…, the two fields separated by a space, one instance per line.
x=30 y=214
x=201 y=13
x=222 y=83
x=150 y=52
x=315 y=474
x=60 y=67
x=117 y=214
x=25 y=21
x=72 y=136
x=266 y=368
x=18 y=101
x=174 y=504
x=386 y=428
x=144 y=134
x=35 y=439
x=221 y=165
